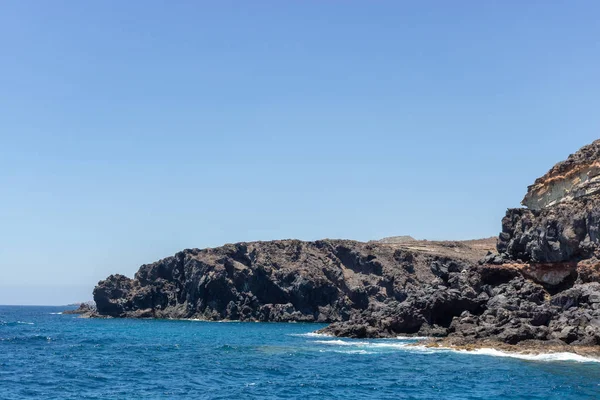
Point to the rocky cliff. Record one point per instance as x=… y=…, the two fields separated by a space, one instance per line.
x=576 y=177
x=541 y=285
x=284 y=280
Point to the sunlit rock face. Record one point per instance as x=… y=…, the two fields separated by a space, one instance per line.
x=542 y=285
x=576 y=177
x=561 y=224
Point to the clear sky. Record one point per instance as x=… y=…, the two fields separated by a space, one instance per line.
x=131 y=130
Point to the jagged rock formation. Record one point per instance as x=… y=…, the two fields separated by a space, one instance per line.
x=561 y=231
x=568 y=231
x=86 y=309
x=576 y=177
x=287 y=280
x=542 y=285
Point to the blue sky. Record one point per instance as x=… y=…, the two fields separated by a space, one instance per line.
x=131 y=130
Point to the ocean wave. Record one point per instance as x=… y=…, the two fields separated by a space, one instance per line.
x=411 y=337
x=56 y=313
x=371 y=345
x=485 y=351
x=25 y=339
x=390 y=345
x=354 y=352
x=563 y=356
x=544 y=357
x=326 y=335
x=311 y=334
x=341 y=343
x=16 y=323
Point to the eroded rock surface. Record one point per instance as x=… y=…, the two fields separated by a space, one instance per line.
x=86 y=309
x=287 y=280
x=576 y=177
x=541 y=285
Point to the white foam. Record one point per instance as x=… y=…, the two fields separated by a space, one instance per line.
x=545 y=357
x=341 y=343
x=311 y=334
x=389 y=345
x=354 y=352
x=55 y=313
x=25 y=323
x=411 y=337
x=563 y=356
x=366 y=346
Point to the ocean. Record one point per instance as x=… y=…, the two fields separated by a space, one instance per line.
x=48 y=355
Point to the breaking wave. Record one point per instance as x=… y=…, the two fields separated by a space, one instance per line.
x=532 y=357
x=367 y=347
x=312 y=335
x=15 y=323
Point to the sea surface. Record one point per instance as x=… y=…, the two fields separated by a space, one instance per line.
x=47 y=355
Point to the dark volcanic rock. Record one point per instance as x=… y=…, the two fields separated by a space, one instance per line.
x=85 y=309
x=288 y=280
x=541 y=286
x=567 y=231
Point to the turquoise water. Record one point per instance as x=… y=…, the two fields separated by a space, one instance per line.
x=52 y=356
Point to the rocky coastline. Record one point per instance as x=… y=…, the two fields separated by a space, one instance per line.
x=85 y=309
x=534 y=288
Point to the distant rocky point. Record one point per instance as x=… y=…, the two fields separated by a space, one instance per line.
x=537 y=284
x=396 y=239
x=87 y=308
x=282 y=280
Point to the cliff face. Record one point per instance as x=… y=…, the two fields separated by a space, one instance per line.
x=578 y=176
x=562 y=223
x=286 y=280
x=551 y=249
x=543 y=284
x=568 y=231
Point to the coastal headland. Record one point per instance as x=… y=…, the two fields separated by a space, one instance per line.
x=534 y=288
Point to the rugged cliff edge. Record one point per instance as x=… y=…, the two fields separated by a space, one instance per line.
x=284 y=280
x=542 y=285
x=578 y=176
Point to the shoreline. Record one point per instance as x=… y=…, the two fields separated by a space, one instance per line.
x=522 y=349
x=528 y=349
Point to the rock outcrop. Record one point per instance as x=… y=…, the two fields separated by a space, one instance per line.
x=578 y=176
x=87 y=309
x=542 y=284
x=286 y=280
